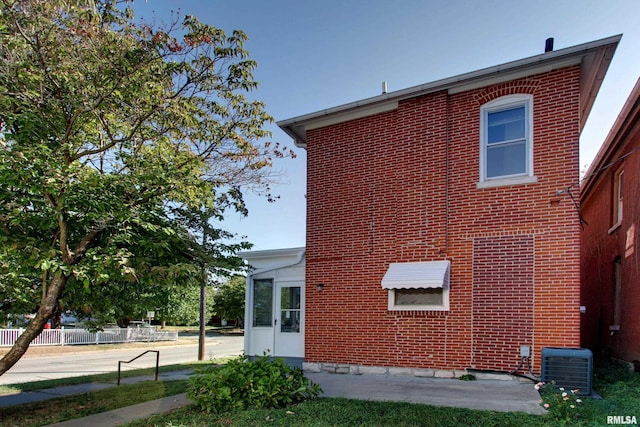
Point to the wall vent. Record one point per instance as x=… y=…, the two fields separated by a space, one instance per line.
x=571 y=368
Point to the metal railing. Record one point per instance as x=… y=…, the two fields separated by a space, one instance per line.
x=138 y=357
x=72 y=336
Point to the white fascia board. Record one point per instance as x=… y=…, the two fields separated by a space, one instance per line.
x=270 y=253
x=501 y=77
x=369 y=110
x=297 y=127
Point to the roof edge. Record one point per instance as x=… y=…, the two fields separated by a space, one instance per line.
x=271 y=253
x=296 y=127
x=629 y=113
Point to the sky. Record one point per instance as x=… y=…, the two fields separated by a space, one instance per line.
x=317 y=54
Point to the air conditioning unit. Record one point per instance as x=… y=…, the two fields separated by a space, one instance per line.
x=571 y=368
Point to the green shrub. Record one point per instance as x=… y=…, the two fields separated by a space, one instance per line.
x=263 y=382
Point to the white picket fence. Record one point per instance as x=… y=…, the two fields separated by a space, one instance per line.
x=82 y=336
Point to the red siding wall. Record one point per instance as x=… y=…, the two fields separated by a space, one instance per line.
x=600 y=248
x=401 y=186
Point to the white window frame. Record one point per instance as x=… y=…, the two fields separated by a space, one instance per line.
x=501 y=104
x=618 y=199
x=444 y=307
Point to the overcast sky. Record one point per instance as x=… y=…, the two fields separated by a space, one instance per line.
x=316 y=54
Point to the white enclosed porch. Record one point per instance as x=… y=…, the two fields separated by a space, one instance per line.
x=274 y=304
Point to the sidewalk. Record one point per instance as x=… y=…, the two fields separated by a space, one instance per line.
x=129 y=413
x=51 y=393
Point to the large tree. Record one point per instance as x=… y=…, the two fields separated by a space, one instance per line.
x=168 y=261
x=107 y=124
x=229 y=300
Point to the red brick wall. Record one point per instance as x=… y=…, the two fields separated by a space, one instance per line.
x=503 y=283
x=600 y=248
x=401 y=186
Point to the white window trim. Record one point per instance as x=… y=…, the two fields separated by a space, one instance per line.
x=503 y=103
x=444 y=307
x=618 y=200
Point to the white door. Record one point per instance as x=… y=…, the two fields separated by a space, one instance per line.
x=289 y=319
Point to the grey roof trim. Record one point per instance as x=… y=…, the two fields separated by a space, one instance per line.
x=271 y=253
x=594 y=56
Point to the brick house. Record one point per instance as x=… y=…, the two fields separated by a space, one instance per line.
x=438 y=236
x=610 y=205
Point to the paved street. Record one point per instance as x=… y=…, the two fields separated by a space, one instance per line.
x=103 y=361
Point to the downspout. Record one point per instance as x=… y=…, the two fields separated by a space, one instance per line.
x=247 y=311
x=446 y=208
x=446 y=178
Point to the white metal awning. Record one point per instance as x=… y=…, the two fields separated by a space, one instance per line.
x=418 y=275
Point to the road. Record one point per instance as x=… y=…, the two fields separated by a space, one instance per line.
x=103 y=361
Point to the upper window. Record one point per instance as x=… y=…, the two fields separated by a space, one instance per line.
x=506 y=141
x=618 y=187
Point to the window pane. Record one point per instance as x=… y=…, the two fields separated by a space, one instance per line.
x=427 y=296
x=507 y=159
x=290 y=309
x=290 y=321
x=262 y=302
x=506 y=125
x=619 y=194
x=290 y=297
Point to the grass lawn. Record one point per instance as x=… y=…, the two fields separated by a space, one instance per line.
x=81 y=405
x=98 y=378
x=345 y=412
x=209 y=330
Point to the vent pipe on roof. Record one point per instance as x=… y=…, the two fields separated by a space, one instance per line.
x=384 y=87
x=548 y=44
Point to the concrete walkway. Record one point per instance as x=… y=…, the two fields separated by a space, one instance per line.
x=128 y=414
x=495 y=395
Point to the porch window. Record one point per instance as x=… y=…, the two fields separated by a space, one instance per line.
x=290 y=309
x=263 y=302
x=417 y=286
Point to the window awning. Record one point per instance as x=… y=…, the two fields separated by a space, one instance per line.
x=417 y=275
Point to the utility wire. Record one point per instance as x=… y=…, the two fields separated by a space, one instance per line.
x=583 y=221
x=607 y=166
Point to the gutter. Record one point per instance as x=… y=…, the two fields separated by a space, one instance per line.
x=297 y=261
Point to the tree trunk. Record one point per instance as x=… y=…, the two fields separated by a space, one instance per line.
x=123 y=322
x=36 y=325
x=56 y=317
